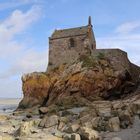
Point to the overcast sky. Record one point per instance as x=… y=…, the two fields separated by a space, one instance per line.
x=25 y=26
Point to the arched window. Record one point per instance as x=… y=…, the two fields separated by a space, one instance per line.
x=72 y=42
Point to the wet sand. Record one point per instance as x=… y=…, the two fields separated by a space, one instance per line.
x=125 y=134
x=9 y=101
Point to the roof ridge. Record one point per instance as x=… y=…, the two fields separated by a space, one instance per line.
x=70 y=32
x=71 y=28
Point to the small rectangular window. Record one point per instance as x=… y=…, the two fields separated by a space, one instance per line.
x=72 y=42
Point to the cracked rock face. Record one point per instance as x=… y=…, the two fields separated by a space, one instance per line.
x=35 y=89
x=91 y=78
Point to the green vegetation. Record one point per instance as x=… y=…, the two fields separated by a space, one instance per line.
x=101 y=55
x=91 y=61
x=88 y=61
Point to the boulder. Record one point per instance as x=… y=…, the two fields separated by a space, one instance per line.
x=43 y=110
x=73 y=128
x=114 y=124
x=25 y=128
x=136 y=107
x=67 y=137
x=89 y=134
x=63 y=123
x=95 y=122
x=126 y=119
x=75 y=136
x=118 y=105
x=58 y=134
x=85 y=118
x=92 y=123
x=102 y=125
x=87 y=124
x=62 y=126
x=103 y=108
x=35 y=89
x=49 y=121
x=88 y=110
x=72 y=136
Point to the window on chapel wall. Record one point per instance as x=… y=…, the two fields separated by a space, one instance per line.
x=72 y=44
x=92 y=47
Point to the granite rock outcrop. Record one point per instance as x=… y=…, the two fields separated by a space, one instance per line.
x=104 y=75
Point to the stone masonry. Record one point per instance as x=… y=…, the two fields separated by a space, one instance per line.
x=66 y=45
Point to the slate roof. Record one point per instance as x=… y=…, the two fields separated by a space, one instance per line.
x=70 y=32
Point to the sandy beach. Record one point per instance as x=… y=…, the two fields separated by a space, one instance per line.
x=8 y=105
x=9 y=101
